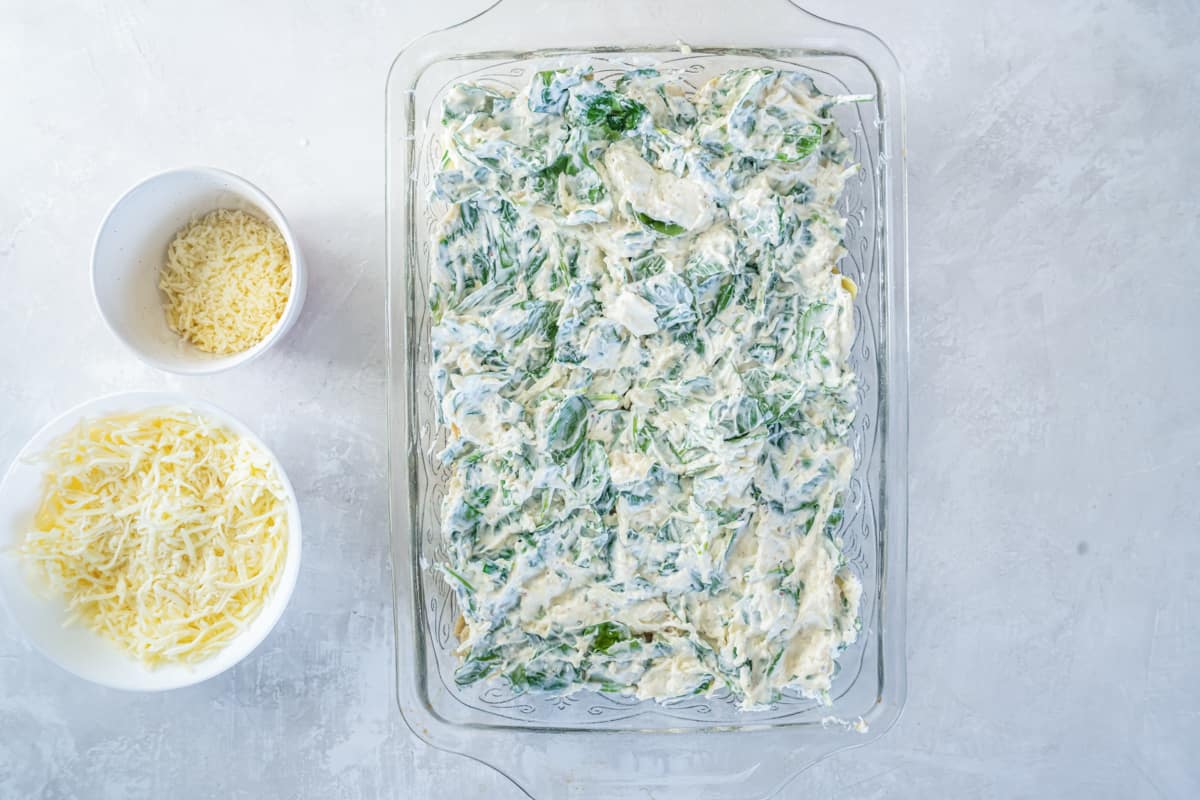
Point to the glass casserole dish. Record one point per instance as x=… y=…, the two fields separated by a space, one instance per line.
x=595 y=744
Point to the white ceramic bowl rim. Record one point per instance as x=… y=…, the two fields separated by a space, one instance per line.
x=258 y=198
x=76 y=648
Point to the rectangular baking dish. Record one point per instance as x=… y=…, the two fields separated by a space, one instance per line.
x=593 y=744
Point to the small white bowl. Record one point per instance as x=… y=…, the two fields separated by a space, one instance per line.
x=75 y=648
x=131 y=248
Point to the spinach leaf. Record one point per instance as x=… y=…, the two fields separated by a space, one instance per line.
x=612 y=112
x=567 y=428
x=646 y=265
x=543 y=675
x=463 y=581
x=605 y=635
x=592 y=478
x=673 y=301
x=798 y=145
x=545 y=180
x=658 y=226
x=548 y=94
x=475 y=666
x=724 y=295
x=466 y=99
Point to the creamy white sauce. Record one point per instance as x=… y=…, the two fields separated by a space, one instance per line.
x=641 y=346
x=632 y=312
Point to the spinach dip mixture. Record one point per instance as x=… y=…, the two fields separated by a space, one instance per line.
x=640 y=359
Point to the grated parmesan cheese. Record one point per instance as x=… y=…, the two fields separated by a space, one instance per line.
x=226 y=281
x=163 y=530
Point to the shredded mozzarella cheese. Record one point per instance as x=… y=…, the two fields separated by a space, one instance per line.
x=226 y=281
x=163 y=530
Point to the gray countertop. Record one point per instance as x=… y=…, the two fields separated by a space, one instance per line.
x=1054 y=161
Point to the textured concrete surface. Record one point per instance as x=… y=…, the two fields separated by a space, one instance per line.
x=1055 y=461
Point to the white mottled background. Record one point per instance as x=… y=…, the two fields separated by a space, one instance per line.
x=1054 y=163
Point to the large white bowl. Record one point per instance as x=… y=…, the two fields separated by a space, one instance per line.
x=75 y=648
x=131 y=247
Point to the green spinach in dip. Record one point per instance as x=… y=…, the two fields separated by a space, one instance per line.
x=641 y=344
